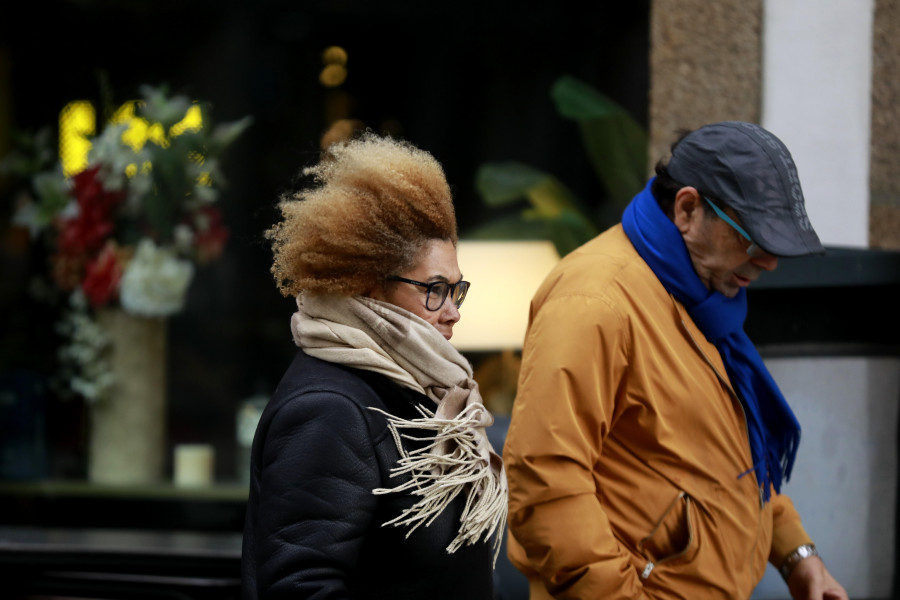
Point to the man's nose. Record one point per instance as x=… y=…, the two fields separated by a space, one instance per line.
x=764 y=260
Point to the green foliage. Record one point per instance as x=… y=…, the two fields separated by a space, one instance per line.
x=616 y=146
x=178 y=169
x=616 y=143
x=31 y=162
x=552 y=212
x=53 y=194
x=29 y=154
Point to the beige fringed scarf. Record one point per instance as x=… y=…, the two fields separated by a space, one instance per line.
x=376 y=336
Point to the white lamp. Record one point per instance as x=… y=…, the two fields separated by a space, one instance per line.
x=504 y=275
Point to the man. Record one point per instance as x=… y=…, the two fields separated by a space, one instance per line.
x=648 y=442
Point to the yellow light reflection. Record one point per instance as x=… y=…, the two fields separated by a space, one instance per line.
x=335 y=71
x=333 y=75
x=77 y=121
x=192 y=121
x=334 y=55
x=136 y=134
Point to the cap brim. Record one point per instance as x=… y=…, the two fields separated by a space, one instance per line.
x=779 y=235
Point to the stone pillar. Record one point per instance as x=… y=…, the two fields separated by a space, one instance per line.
x=705 y=66
x=884 y=172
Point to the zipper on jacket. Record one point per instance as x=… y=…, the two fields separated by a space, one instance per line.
x=734 y=396
x=648 y=568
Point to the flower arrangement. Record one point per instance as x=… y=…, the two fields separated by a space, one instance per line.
x=128 y=229
x=130 y=226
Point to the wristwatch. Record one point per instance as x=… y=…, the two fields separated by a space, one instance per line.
x=794 y=558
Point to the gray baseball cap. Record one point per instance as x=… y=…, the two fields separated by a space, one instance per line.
x=752 y=171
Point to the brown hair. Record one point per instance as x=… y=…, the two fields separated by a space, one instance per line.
x=664 y=187
x=375 y=203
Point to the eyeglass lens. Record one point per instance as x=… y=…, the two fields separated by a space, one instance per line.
x=439 y=290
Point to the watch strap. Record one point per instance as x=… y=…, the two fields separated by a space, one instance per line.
x=794 y=558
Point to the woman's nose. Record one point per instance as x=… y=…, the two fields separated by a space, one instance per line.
x=450 y=313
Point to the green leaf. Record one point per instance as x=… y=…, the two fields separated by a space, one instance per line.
x=30 y=154
x=504 y=183
x=513 y=227
x=616 y=146
x=224 y=134
x=615 y=142
x=578 y=101
x=158 y=107
x=552 y=211
x=52 y=192
x=567 y=230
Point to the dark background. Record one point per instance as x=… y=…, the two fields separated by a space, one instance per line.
x=467 y=81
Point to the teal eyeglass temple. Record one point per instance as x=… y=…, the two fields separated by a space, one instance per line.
x=753 y=250
x=728 y=220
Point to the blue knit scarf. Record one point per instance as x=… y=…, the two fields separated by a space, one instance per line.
x=772 y=427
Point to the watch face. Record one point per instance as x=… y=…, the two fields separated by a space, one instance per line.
x=803 y=551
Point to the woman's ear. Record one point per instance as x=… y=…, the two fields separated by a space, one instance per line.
x=687 y=209
x=378 y=292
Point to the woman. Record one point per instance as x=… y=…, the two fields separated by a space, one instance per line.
x=371 y=475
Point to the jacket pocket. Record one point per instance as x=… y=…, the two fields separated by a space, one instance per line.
x=672 y=537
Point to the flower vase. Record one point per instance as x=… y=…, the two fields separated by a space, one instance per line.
x=128 y=423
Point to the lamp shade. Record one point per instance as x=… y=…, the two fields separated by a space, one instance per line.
x=504 y=277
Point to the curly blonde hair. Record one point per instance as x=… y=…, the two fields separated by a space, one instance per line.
x=376 y=202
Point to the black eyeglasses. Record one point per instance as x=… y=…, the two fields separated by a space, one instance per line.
x=436 y=292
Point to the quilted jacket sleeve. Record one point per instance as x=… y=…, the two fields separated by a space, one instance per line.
x=573 y=361
x=317 y=472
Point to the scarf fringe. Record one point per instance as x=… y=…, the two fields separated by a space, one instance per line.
x=438 y=477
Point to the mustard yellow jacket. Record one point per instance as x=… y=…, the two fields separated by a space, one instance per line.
x=628 y=448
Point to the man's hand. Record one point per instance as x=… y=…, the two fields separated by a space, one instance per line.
x=810 y=580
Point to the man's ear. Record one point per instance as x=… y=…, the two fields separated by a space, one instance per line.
x=687 y=209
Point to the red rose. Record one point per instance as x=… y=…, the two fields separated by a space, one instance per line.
x=83 y=233
x=102 y=276
x=92 y=196
x=90 y=228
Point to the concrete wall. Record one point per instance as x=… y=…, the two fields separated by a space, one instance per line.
x=845 y=480
x=816 y=97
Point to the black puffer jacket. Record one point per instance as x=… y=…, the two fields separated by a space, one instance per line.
x=314 y=527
